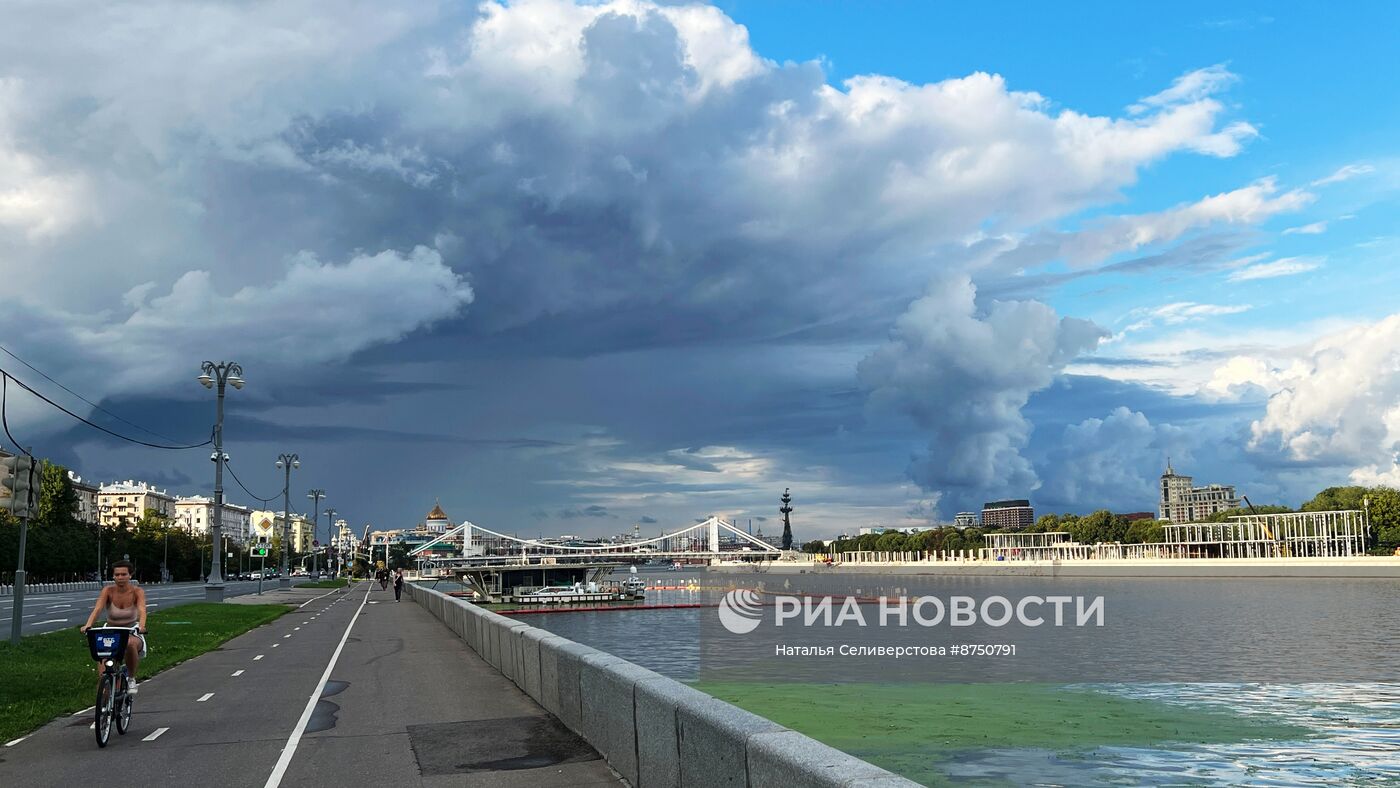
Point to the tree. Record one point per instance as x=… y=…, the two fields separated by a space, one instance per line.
x=1046 y=523
x=1145 y=532
x=1101 y=526
x=814 y=546
x=1337 y=498
x=891 y=542
x=58 y=501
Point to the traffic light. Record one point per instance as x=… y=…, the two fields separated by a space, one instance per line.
x=18 y=482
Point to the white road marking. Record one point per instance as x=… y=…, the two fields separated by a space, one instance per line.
x=258 y=657
x=238 y=673
x=204 y=697
x=275 y=645
x=275 y=779
x=84 y=711
x=155 y=734
x=16 y=741
x=51 y=621
x=314 y=598
x=284 y=637
x=296 y=629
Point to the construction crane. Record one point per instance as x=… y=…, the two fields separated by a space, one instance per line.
x=1282 y=545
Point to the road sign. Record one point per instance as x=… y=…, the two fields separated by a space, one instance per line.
x=315 y=543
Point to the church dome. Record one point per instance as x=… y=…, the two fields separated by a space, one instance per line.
x=437 y=513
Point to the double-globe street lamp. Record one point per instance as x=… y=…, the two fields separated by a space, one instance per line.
x=316 y=495
x=330 y=539
x=220 y=375
x=286 y=462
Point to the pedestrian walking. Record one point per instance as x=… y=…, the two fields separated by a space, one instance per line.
x=398 y=584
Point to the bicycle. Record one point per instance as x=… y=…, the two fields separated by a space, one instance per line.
x=108 y=647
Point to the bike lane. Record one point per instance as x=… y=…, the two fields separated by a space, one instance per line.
x=221 y=719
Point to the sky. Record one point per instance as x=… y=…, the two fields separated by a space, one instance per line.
x=570 y=267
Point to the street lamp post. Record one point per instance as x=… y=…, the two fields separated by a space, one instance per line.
x=220 y=374
x=101 y=578
x=330 y=527
x=286 y=462
x=315 y=495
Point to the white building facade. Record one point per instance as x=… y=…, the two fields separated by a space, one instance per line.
x=86 y=492
x=128 y=501
x=195 y=514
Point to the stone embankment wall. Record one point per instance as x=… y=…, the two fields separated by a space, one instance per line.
x=654 y=731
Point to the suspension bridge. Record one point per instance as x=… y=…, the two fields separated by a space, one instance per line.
x=470 y=544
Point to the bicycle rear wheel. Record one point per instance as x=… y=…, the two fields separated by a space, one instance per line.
x=102 y=711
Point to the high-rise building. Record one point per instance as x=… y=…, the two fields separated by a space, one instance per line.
x=965 y=520
x=1015 y=514
x=1181 y=502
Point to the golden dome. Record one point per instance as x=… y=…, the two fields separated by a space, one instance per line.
x=437 y=513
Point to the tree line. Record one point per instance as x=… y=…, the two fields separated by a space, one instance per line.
x=1104 y=526
x=62 y=548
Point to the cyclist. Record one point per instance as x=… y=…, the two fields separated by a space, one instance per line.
x=125 y=605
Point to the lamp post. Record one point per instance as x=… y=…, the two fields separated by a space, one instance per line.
x=315 y=495
x=101 y=578
x=286 y=462
x=219 y=375
x=330 y=528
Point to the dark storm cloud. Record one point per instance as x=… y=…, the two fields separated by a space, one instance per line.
x=587 y=511
x=613 y=241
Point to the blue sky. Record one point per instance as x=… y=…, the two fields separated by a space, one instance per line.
x=570 y=267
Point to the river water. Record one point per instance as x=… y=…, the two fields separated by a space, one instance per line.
x=1312 y=650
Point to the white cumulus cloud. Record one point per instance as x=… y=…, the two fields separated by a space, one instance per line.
x=1338 y=403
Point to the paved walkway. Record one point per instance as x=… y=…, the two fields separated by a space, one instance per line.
x=407 y=702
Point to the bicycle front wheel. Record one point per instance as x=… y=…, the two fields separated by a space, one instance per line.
x=123 y=712
x=102 y=711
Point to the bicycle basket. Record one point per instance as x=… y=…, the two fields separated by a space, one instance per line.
x=107 y=642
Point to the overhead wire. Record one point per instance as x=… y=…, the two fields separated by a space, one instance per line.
x=231 y=472
x=4 y=414
x=94 y=405
x=101 y=428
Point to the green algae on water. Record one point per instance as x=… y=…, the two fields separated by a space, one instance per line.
x=909 y=728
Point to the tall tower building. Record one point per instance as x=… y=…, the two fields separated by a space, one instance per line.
x=1181 y=502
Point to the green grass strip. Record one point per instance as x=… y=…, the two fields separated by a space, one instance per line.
x=51 y=674
x=337 y=583
x=910 y=728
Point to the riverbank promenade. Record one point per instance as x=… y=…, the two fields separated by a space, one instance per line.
x=348 y=688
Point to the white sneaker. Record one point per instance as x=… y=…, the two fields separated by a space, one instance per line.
x=131 y=686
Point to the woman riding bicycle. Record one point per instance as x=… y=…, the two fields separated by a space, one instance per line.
x=125 y=605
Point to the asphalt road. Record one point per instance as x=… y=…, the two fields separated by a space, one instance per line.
x=54 y=611
x=348 y=688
